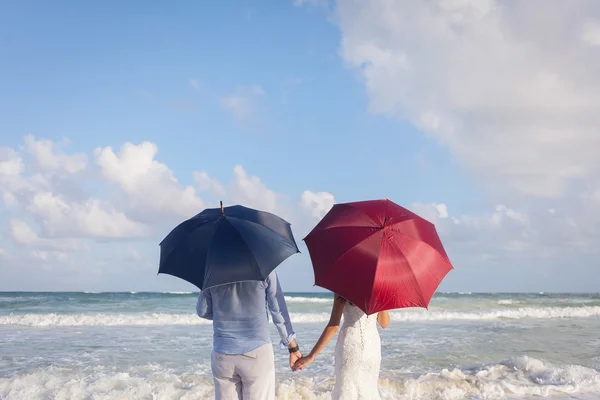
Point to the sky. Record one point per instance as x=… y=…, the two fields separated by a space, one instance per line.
x=119 y=120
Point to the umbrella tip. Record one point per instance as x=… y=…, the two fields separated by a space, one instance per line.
x=222 y=209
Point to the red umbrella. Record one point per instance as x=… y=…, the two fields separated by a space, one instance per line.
x=377 y=255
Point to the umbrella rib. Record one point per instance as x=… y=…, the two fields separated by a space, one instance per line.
x=361 y=211
x=412 y=272
x=259 y=211
x=244 y=241
x=377 y=223
x=394 y=223
x=182 y=242
x=375 y=274
x=430 y=246
x=350 y=249
x=208 y=255
x=267 y=227
x=445 y=260
x=348 y=226
x=181 y=225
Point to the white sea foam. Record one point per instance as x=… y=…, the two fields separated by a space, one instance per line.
x=132 y=319
x=520 y=377
x=294 y=299
x=508 y=302
x=516 y=378
x=149 y=319
x=505 y=313
x=177 y=292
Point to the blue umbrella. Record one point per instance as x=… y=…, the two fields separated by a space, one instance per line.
x=226 y=245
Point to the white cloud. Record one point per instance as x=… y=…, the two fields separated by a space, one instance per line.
x=487 y=235
x=11 y=183
x=23 y=235
x=48 y=156
x=590 y=33
x=252 y=192
x=300 y=3
x=431 y=212
x=2 y=252
x=134 y=255
x=150 y=186
x=484 y=78
x=195 y=84
x=442 y=210
x=50 y=191
x=207 y=184
x=510 y=89
x=241 y=107
x=317 y=204
x=50 y=256
x=11 y=163
x=56 y=225
x=503 y=212
x=243 y=103
x=591 y=196
x=301 y=213
x=508 y=235
x=88 y=219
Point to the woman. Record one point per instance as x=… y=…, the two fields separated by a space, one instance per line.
x=357 y=353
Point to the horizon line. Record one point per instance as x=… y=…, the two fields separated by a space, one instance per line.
x=310 y=292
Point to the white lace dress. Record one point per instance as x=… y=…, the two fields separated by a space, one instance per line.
x=357 y=357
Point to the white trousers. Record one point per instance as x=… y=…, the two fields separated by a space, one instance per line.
x=249 y=376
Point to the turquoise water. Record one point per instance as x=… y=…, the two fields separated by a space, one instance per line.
x=152 y=346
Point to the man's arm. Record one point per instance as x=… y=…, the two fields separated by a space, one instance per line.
x=281 y=316
x=204 y=305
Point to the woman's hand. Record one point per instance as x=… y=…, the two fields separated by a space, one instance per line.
x=303 y=363
x=329 y=332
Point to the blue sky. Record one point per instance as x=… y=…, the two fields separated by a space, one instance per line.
x=102 y=75
x=325 y=97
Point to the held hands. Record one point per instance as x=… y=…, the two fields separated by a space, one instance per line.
x=293 y=358
x=303 y=363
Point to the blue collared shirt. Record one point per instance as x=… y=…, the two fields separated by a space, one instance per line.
x=240 y=317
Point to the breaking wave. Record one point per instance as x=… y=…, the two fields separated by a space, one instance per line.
x=290 y=299
x=149 y=319
x=521 y=377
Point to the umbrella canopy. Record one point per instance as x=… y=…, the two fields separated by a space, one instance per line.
x=226 y=245
x=378 y=255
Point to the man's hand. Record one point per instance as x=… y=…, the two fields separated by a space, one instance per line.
x=293 y=358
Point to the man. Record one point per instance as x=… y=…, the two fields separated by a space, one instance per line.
x=242 y=360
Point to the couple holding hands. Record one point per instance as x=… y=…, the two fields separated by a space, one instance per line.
x=375 y=252
x=242 y=360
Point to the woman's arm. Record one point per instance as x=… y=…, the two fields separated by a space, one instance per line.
x=328 y=333
x=383 y=318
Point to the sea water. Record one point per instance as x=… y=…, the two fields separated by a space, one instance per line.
x=153 y=346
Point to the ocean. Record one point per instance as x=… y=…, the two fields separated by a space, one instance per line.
x=153 y=346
